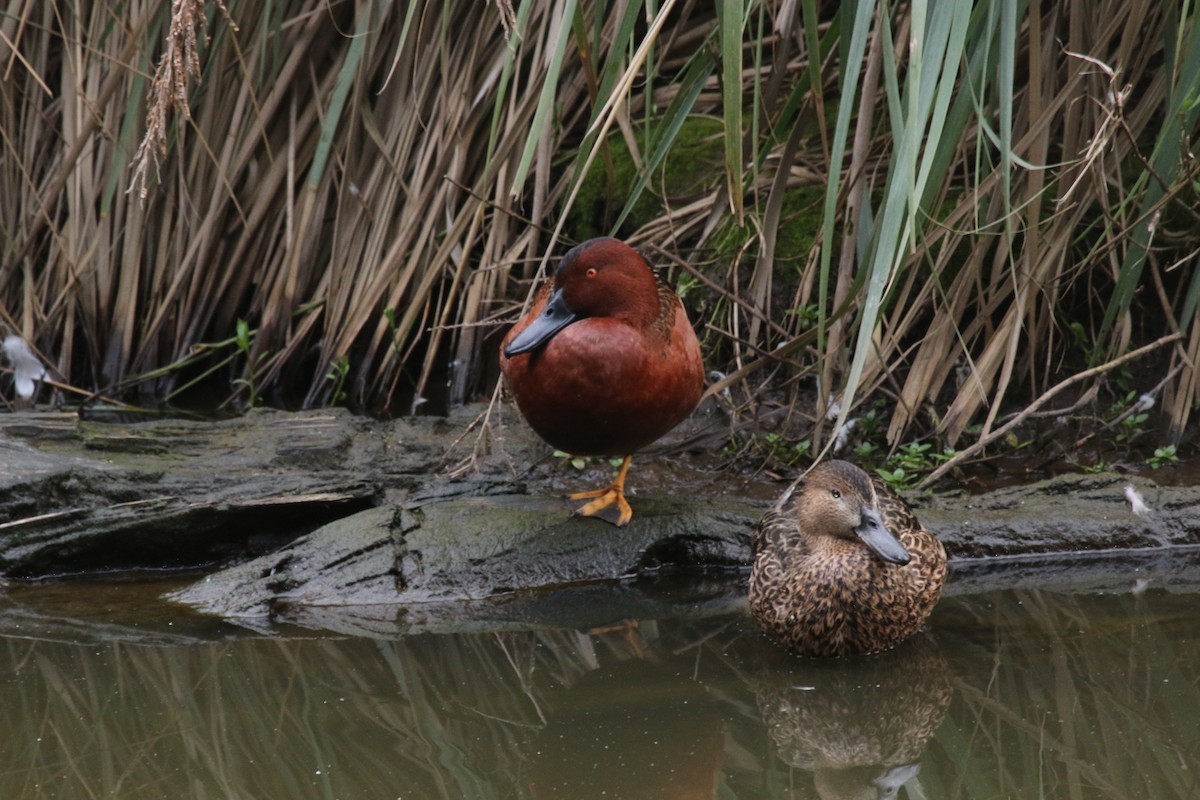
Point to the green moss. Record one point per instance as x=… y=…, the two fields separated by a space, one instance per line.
x=799 y=224
x=692 y=167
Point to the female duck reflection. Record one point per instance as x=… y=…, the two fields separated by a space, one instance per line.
x=642 y=728
x=859 y=725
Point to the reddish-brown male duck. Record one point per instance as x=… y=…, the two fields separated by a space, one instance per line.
x=604 y=363
x=842 y=566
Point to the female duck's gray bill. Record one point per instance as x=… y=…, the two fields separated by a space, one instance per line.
x=554 y=317
x=877 y=537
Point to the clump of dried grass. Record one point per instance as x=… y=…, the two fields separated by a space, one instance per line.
x=168 y=96
x=372 y=186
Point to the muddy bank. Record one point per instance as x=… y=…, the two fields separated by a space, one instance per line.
x=325 y=510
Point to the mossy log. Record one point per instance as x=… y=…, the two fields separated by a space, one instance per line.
x=324 y=510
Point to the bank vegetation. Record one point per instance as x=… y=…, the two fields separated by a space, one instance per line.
x=946 y=219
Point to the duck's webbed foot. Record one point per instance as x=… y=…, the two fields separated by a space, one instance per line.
x=609 y=503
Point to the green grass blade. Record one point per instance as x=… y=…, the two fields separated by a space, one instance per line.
x=939 y=35
x=731 y=16
x=341 y=91
x=616 y=57
x=506 y=72
x=854 y=47
x=547 y=98
x=677 y=113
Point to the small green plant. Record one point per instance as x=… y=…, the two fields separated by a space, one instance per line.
x=338 y=371
x=580 y=462
x=1163 y=456
x=1136 y=411
x=914 y=455
x=1014 y=442
x=1131 y=428
x=780 y=451
x=808 y=315
x=864 y=451
x=685 y=283
x=867 y=426
x=1099 y=466
x=732 y=447
x=1125 y=382
x=897 y=478
x=905 y=467
x=244 y=339
x=1129 y=413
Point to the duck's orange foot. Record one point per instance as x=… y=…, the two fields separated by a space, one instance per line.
x=609 y=504
x=629 y=632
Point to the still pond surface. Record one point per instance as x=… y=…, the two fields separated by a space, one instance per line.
x=1066 y=684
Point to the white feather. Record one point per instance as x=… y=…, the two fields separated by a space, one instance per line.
x=1144 y=403
x=1136 y=503
x=26 y=366
x=843 y=434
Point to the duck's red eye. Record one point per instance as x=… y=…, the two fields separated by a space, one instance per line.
x=591 y=272
x=837 y=493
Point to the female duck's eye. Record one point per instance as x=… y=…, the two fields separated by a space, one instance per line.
x=591 y=273
x=837 y=493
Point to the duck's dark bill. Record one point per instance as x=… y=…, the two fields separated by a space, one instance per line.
x=877 y=537
x=554 y=317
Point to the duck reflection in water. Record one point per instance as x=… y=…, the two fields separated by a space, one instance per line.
x=859 y=725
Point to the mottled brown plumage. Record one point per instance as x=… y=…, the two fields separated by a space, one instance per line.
x=842 y=566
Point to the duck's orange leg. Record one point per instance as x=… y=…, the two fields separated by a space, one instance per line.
x=613 y=494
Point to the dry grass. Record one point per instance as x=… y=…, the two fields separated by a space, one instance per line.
x=369 y=186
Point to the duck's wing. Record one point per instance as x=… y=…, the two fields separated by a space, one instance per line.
x=668 y=304
x=897 y=515
x=920 y=541
x=779 y=529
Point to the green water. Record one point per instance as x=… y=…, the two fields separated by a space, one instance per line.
x=1063 y=692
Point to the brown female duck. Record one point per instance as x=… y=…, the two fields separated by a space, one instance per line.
x=842 y=566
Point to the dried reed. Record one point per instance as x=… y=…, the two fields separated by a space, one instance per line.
x=1008 y=193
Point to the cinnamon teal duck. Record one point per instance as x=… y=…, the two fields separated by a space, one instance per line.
x=842 y=566
x=604 y=363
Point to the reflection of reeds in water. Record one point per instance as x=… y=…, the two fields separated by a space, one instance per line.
x=632 y=729
x=1072 y=696
x=422 y=717
x=1056 y=695
x=425 y=716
